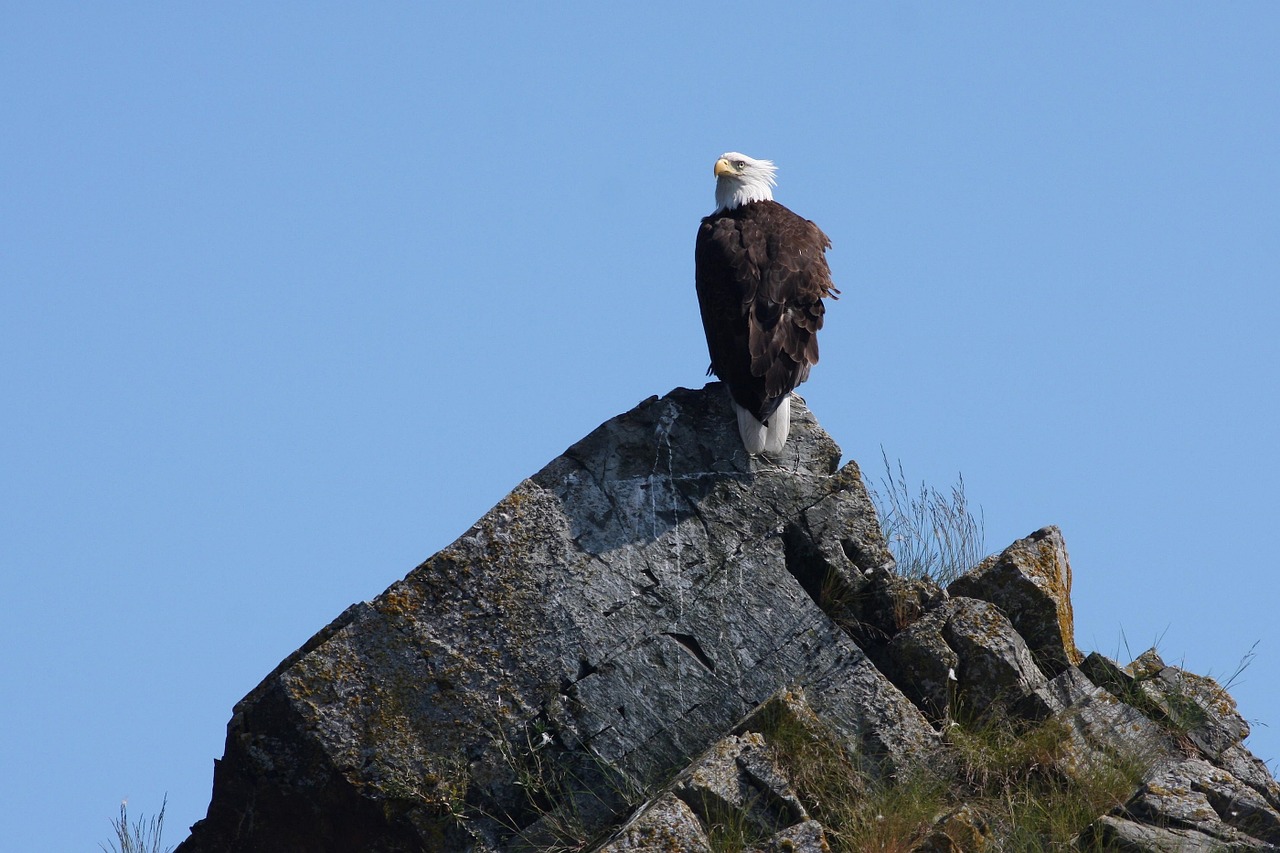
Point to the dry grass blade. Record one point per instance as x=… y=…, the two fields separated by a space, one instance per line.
x=143 y=836
x=931 y=535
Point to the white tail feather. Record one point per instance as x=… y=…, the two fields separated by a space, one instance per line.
x=779 y=427
x=752 y=431
x=757 y=437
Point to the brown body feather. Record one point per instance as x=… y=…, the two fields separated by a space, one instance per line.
x=762 y=274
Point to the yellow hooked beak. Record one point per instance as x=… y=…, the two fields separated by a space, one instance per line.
x=724 y=167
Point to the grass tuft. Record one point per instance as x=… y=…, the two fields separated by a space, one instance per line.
x=1020 y=775
x=999 y=785
x=930 y=534
x=859 y=811
x=142 y=836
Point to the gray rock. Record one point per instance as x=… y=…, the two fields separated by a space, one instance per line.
x=616 y=614
x=1170 y=798
x=964 y=654
x=1194 y=795
x=761 y=769
x=1106 y=673
x=807 y=837
x=1187 y=803
x=665 y=826
x=1030 y=581
x=1116 y=834
x=1067 y=690
x=1250 y=770
x=1237 y=804
x=922 y=665
x=738 y=781
x=875 y=606
x=654 y=613
x=838 y=553
x=1197 y=705
x=1102 y=729
x=996 y=669
x=1192 y=705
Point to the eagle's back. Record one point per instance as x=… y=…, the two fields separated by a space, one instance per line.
x=761 y=275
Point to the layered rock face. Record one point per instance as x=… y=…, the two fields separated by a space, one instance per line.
x=600 y=663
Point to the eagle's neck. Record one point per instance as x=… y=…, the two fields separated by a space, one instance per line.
x=743 y=190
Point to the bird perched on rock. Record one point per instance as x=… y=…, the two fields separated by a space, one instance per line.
x=761 y=273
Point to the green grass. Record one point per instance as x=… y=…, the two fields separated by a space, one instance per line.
x=1002 y=779
x=729 y=830
x=858 y=812
x=1019 y=777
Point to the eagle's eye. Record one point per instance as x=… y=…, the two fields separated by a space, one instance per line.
x=740 y=164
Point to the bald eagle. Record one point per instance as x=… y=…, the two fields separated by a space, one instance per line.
x=761 y=273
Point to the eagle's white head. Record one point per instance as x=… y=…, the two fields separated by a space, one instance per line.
x=741 y=179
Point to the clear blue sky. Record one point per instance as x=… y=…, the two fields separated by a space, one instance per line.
x=290 y=294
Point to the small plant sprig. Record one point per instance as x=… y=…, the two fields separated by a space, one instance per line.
x=931 y=535
x=143 y=836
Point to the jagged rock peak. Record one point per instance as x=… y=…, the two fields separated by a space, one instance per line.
x=657 y=636
x=609 y=620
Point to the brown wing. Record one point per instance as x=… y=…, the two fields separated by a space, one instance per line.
x=762 y=275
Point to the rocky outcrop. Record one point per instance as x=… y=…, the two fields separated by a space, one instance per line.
x=616 y=655
x=1031 y=583
x=609 y=620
